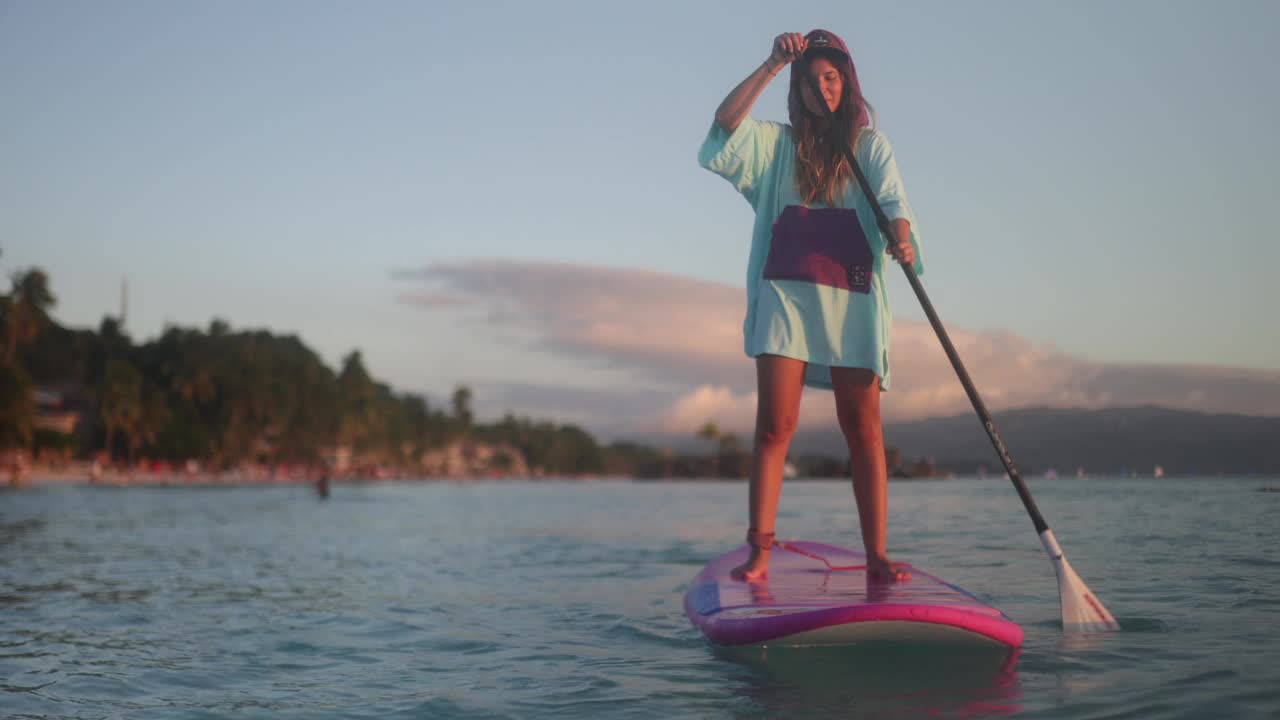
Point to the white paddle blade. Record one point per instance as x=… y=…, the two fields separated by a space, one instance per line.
x=1081 y=611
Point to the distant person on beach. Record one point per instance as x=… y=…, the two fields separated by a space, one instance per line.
x=817 y=309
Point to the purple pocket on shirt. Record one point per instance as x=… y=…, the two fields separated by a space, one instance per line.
x=825 y=246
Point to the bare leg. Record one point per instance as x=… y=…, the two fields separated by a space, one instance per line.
x=779 y=381
x=858 y=409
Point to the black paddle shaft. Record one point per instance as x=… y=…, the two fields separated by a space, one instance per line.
x=988 y=423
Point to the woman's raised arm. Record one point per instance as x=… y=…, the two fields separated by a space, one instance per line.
x=786 y=48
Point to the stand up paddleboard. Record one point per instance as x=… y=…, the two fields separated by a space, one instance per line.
x=804 y=602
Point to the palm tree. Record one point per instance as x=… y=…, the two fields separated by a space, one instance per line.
x=152 y=416
x=120 y=399
x=24 y=312
x=711 y=432
x=362 y=423
x=17 y=411
x=731 y=456
x=462 y=406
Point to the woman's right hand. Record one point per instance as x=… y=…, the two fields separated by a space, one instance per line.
x=786 y=48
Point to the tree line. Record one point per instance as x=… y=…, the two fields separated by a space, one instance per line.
x=227 y=397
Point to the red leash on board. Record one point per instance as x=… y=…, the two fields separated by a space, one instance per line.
x=794 y=549
x=764 y=541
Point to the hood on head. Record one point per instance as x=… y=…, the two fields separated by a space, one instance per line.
x=825 y=40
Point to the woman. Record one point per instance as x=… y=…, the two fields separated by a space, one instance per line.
x=817 y=309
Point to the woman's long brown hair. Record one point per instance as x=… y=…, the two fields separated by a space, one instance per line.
x=822 y=172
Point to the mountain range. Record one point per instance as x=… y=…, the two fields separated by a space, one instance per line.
x=1106 y=441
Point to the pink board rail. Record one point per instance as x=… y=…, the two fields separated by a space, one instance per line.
x=803 y=602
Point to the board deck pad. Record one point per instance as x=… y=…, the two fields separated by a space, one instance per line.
x=803 y=602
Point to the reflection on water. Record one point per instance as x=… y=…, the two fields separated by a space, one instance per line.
x=877 y=680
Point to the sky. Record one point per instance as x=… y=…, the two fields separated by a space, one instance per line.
x=506 y=195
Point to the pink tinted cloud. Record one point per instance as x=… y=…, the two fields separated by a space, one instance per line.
x=688 y=334
x=669 y=327
x=432 y=300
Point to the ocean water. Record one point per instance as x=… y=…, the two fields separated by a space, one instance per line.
x=563 y=600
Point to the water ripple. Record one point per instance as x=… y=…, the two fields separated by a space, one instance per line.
x=564 y=600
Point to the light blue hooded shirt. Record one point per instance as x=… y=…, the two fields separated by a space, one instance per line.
x=823 y=325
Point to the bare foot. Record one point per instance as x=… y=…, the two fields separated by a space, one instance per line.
x=755 y=568
x=881 y=570
x=759 y=589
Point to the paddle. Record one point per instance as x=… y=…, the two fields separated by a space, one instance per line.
x=1081 y=611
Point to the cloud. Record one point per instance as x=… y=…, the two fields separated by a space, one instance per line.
x=685 y=337
x=611 y=411
x=693 y=409
x=671 y=328
x=432 y=300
